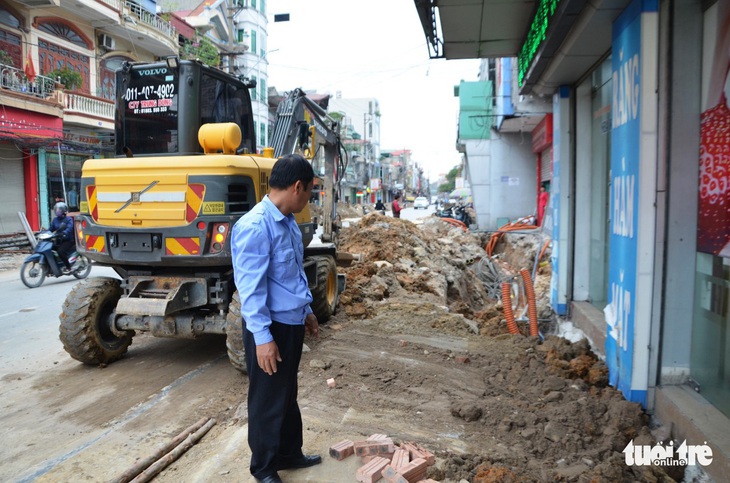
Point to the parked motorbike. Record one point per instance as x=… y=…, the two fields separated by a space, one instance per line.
x=456 y=211
x=45 y=261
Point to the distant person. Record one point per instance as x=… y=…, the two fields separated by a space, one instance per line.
x=396 y=206
x=268 y=269
x=379 y=206
x=63 y=226
x=73 y=199
x=542 y=202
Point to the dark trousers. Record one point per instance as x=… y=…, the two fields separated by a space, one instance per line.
x=64 y=249
x=274 y=420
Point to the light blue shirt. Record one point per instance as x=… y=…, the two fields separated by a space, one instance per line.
x=268 y=268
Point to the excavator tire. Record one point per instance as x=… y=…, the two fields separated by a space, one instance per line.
x=324 y=294
x=234 y=335
x=85 y=330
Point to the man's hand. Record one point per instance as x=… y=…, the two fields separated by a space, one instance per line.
x=267 y=355
x=311 y=326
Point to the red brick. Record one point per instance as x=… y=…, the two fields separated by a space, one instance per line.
x=428 y=481
x=378 y=437
x=401 y=457
x=415 y=470
x=462 y=359
x=391 y=475
x=417 y=451
x=372 y=471
x=342 y=450
x=426 y=454
x=370 y=448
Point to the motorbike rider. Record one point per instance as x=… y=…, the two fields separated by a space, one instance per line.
x=63 y=226
x=379 y=206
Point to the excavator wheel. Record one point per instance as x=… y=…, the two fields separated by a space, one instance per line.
x=325 y=294
x=234 y=335
x=85 y=322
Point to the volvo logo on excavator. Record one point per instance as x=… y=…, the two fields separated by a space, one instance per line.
x=135 y=196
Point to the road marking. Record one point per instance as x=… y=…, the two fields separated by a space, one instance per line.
x=28 y=309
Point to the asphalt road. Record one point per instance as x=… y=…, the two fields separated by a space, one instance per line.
x=65 y=421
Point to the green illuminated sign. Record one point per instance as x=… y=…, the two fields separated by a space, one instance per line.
x=535 y=36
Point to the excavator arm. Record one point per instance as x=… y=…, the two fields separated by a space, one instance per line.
x=303 y=127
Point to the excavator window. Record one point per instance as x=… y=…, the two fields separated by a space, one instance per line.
x=160 y=109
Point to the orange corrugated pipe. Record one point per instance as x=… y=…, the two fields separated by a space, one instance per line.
x=507 y=306
x=531 y=305
x=492 y=243
x=456 y=222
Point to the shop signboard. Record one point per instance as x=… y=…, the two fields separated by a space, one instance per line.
x=633 y=53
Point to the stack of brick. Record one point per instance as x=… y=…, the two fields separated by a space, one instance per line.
x=404 y=463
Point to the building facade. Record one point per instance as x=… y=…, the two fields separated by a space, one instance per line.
x=639 y=185
x=58 y=92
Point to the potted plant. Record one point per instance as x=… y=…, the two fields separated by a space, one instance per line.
x=68 y=77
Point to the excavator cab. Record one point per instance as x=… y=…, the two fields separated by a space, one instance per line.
x=160 y=108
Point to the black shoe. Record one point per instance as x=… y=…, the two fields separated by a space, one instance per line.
x=270 y=479
x=303 y=461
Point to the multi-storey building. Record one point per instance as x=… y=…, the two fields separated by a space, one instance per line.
x=364 y=113
x=48 y=129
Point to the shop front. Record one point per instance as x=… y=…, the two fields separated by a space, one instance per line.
x=710 y=352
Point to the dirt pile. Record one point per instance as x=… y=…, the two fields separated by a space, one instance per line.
x=439 y=263
x=432 y=349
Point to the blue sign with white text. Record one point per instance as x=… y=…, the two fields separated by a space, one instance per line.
x=624 y=197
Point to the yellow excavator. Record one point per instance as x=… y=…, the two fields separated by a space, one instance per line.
x=160 y=212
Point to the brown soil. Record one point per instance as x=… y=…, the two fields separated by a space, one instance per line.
x=433 y=348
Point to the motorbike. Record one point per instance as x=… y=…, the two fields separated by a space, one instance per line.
x=456 y=211
x=45 y=262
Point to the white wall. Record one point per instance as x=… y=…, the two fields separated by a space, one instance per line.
x=502 y=174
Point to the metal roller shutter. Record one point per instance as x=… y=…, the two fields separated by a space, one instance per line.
x=12 y=193
x=546 y=160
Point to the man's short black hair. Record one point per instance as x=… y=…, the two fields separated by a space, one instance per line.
x=397 y=196
x=289 y=169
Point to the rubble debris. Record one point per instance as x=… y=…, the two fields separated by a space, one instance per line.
x=15 y=242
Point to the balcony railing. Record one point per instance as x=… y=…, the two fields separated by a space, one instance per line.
x=87 y=105
x=115 y=4
x=14 y=79
x=149 y=18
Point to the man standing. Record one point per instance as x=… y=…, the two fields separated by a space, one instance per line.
x=268 y=267
x=396 y=206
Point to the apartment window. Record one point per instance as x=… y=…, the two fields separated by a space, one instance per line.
x=63 y=29
x=12 y=46
x=253 y=41
x=262 y=134
x=263 y=7
x=263 y=93
x=254 y=90
x=52 y=57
